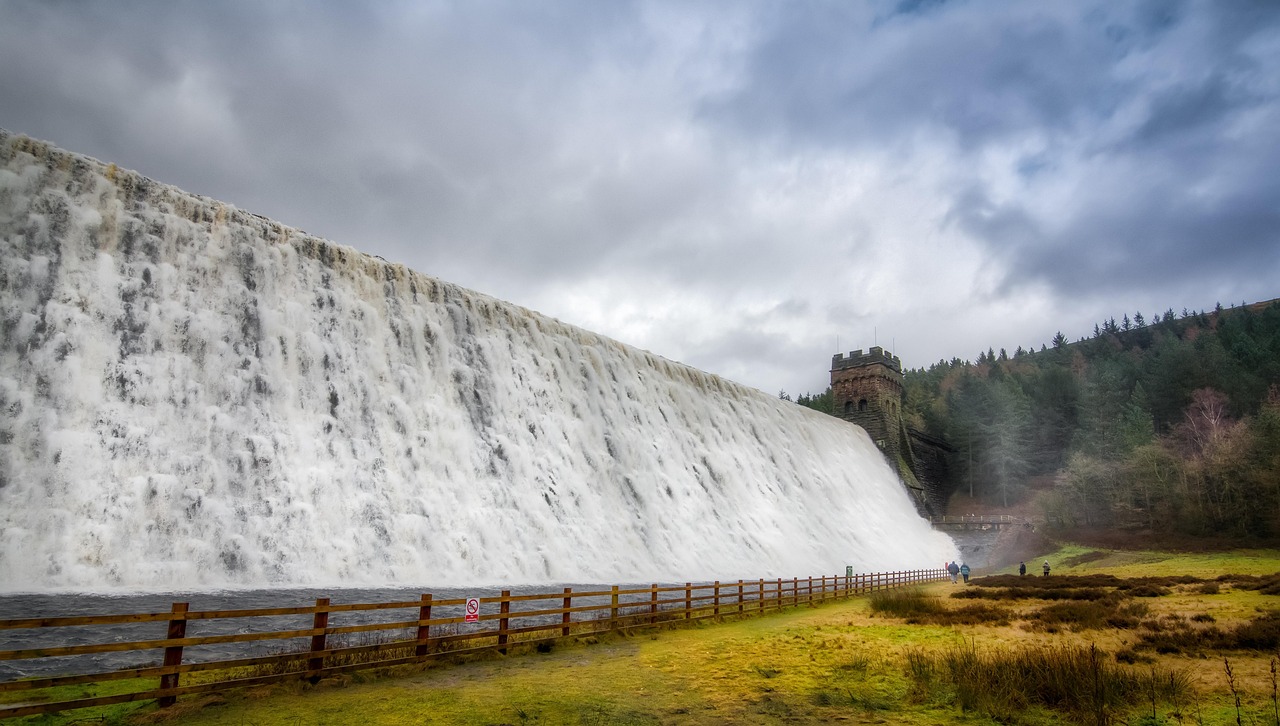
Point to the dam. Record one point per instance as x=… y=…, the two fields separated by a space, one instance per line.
x=194 y=396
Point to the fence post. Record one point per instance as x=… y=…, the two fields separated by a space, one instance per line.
x=504 y=608
x=795 y=591
x=688 y=600
x=739 y=597
x=760 y=600
x=564 y=617
x=716 y=600
x=173 y=653
x=779 y=594
x=809 y=591
x=424 y=630
x=653 y=603
x=319 y=621
x=613 y=609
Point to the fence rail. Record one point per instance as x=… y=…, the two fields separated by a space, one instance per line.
x=437 y=627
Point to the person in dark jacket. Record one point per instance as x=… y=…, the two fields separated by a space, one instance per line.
x=1022 y=568
x=954 y=569
x=964 y=572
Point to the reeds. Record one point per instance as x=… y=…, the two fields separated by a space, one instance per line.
x=1074 y=680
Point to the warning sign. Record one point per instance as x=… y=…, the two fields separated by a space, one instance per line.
x=473 y=610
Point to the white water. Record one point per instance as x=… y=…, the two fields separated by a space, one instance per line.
x=193 y=396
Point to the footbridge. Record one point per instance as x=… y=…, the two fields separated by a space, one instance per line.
x=982 y=522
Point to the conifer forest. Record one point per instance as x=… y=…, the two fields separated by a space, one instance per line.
x=1169 y=423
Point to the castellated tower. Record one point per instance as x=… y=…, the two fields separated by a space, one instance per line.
x=866 y=389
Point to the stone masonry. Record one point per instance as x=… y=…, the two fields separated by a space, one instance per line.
x=866 y=389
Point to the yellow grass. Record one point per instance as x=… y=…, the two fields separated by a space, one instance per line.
x=834 y=663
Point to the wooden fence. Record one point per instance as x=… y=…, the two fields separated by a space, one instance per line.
x=434 y=628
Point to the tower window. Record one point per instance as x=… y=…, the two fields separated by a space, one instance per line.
x=848 y=406
x=862 y=405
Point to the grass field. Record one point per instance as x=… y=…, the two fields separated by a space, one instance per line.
x=861 y=661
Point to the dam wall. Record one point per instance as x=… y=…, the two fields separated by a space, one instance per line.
x=193 y=396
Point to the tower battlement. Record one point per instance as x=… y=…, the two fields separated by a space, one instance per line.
x=857 y=359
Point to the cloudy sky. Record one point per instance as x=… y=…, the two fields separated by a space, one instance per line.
x=741 y=186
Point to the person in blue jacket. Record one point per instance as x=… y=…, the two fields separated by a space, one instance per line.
x=964 y=572
x=954 y=569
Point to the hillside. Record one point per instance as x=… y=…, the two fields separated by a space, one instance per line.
x=1172 y=423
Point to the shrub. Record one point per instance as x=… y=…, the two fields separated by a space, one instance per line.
x=976 y=614
x=1089 y=615
x=1073 y=680
x=904 y=603
x=1260 y=634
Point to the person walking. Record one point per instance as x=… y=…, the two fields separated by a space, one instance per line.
x=964 y=572
x=954 y=569
x=1022 y=568
x=1046 y=568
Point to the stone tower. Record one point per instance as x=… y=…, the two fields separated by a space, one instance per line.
x=866 y=389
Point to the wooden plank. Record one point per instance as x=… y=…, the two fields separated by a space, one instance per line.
x=320 y=621
x=173 y=653
x=25 y=623
x=504 y=622
x=424 y=626
x=150 y=644
x=371 y=627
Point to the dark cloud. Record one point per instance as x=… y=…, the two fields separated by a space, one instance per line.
x=730 y=184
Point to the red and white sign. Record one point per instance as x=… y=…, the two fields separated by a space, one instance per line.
x=473 y=610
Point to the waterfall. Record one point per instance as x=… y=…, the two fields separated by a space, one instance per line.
x=195 y=396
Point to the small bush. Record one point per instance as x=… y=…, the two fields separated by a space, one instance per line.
x=1184 y=639
x=1071 y=680
x=904 y=603
x=921 y=666
x=976 y=614
x=1260 y=634
x=1131 y=657
x=1035 y=593
x=1088 y=615
x=1209 y=588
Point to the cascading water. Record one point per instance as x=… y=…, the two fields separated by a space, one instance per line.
x=194 y=396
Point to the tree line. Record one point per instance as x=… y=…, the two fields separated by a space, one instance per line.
x=1171 y=422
